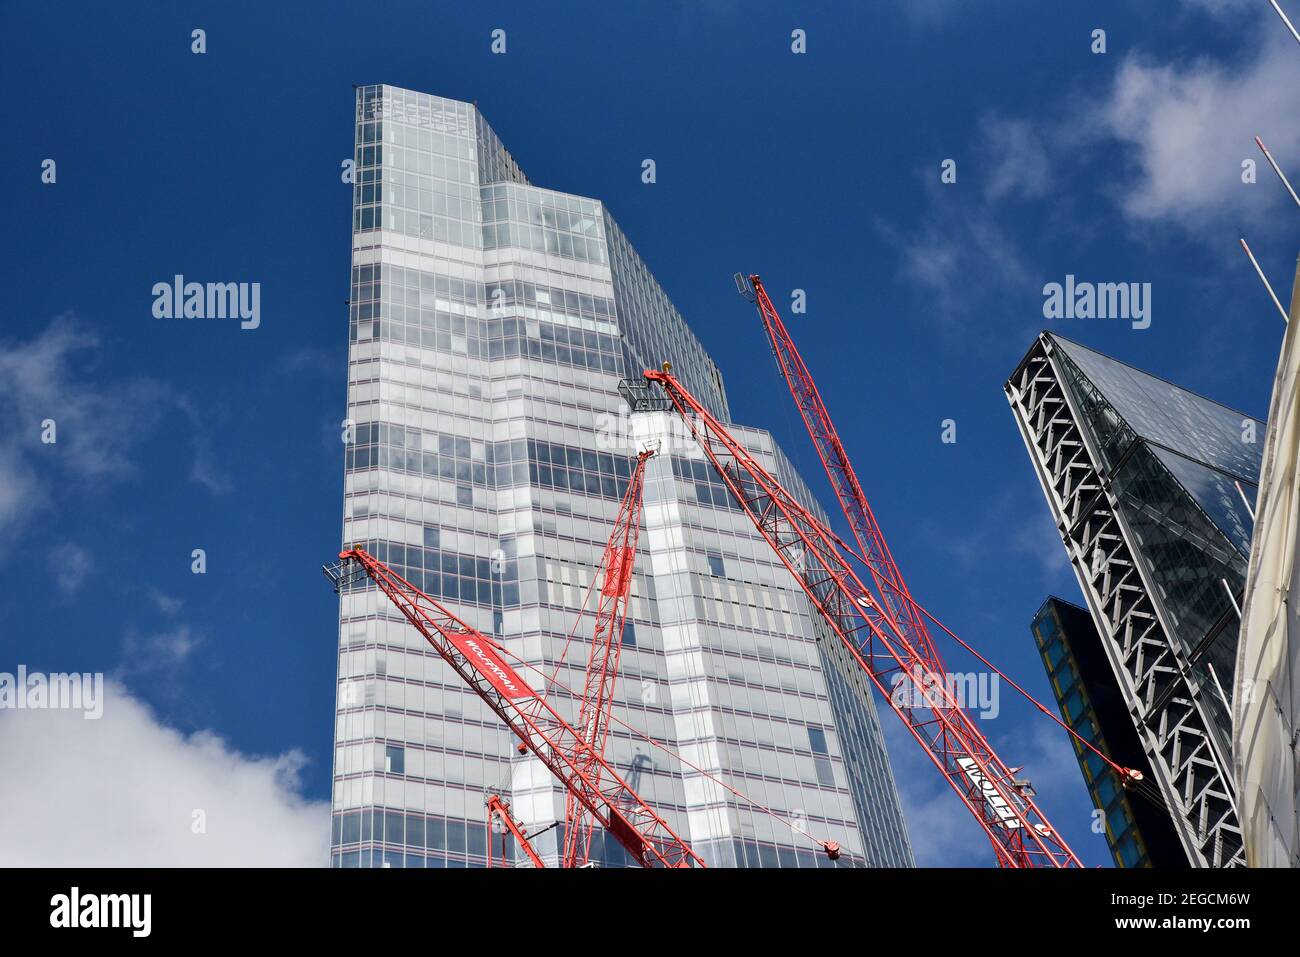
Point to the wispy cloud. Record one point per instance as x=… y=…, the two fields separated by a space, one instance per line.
x=93 y=428
x=1015 y=157
x=159 y=651
x=1008 y=526
x=163 y=602
x=205 y=471
x=959 y=253
x=1182 y=126
x=70 y=564
x=68 y=423
x=962 y=250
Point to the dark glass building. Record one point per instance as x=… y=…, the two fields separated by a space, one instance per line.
x=1139 y=833
x=1147 y=483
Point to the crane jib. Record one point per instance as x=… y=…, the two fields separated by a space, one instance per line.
x=487 y=663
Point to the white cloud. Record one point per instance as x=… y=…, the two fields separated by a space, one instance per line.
x=1187 y=127
x=96 y=427
x=1007 y=525
x=21 y=493
x=1182 y=127
x=205 y=470
x=122 y=791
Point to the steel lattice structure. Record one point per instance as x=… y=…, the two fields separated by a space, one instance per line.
x=594 y=712
x=1153 y=674
x=611 y=801
x=1020 y=833
x=896 y=599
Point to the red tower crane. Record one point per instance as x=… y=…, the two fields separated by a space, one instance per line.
x=1020 y=834
x=479 y=661
x=602 y=662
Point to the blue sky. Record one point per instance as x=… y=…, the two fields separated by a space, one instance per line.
x=819 y=171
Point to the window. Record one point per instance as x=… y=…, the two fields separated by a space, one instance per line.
x=629 y=635
x=430 y=537
x=716 y=568
x=464 y=495
x=821 y=757
x=817 y=740
x=394 y=759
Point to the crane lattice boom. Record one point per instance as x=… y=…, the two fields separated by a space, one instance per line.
x=1020 y=834
x=647 y=837
x=615 y=589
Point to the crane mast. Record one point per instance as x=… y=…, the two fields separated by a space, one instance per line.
x=478 y=660
x=602 y=664
x=1020 y=834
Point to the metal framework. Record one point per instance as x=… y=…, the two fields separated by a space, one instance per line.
x=896 y=600
x=499 y=809
x=611 y=801
x=1020 y=834
x=1152 y=671
x=602 y=663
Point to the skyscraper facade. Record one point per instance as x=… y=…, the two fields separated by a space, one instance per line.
x=1147 y=483
x=491 y=321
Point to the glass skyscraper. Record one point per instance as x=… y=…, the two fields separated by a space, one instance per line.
x=1148 y=483
x=1139 y=833
x=490 y=323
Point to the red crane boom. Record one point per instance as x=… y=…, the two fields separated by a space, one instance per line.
x=615 y=589
x=896 y=600
x=1020 y=833
x=647 y=837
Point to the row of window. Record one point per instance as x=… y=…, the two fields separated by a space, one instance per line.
x=414 y=109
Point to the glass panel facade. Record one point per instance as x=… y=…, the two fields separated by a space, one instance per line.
x=1174 y=460
x=490 y=323
x=1167 y=415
